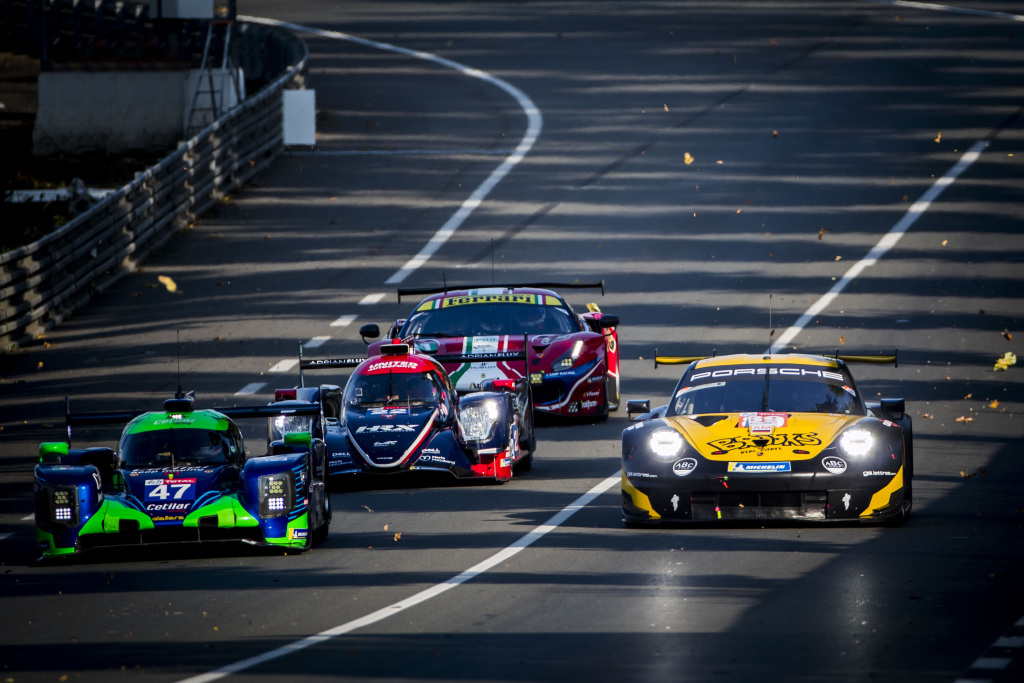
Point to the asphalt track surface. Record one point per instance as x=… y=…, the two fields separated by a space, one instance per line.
x=722 y=166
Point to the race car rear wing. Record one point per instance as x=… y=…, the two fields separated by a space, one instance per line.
x=422 y=291
x=124 y=416
x=879 y=358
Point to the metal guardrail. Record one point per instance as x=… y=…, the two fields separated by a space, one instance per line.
x=43 y=282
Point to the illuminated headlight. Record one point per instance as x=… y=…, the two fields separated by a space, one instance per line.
x=64 y=505
x=666 y=443
x=570 y=360
x=478 y=420
x=856 y=442
x=289 y=424
x=277 y=494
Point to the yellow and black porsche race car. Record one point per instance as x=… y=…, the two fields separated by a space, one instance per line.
x=754 y=437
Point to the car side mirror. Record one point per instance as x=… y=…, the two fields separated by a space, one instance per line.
x=637 y=407
x=897 y=407
x=369 y=331
x=608 y=322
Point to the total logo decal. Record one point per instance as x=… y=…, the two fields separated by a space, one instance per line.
x=683 y=467
x=385 y=428
x=833 y=464
x=758 y=467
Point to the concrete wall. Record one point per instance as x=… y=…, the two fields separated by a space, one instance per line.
x=116 y=111
x=108 y=110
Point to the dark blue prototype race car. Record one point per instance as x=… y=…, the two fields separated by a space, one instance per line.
x=181 y=475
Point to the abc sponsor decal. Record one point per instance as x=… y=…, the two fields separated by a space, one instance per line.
x=833 y=464
x=683 y=467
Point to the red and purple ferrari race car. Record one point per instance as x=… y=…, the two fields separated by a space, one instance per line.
x=400 y=412
x=564 y=364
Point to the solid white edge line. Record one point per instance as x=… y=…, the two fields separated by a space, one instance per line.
x=553 y=523
x=250 y=388
x=534 y=124
x=947 y=8
x=395 y=152
x=887 y=242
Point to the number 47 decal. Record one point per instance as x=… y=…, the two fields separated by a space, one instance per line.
x=171 y=489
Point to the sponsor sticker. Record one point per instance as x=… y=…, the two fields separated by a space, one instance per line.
x=833 y=464
x=393 y=365
x=641 y=475
x=384 y=444
x=683 y=467
x=758 y=467
x=373 y=429
x=300 y=534
x=170 y=489
x=587 y=405
x=879 y=473
x=763 y=423
x=761 y=371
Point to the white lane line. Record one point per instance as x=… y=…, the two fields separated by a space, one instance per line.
x=887 y=242
x=344 y=321
x=315 y=343
x=371 y=299
x=284 y=365
x=534 y=123
x=25 y=519
x=419 y=598
x=5 y=536
x=395 y=152
x=991 y=663
x=250 y=388
x=1009 y=641
x=947 y=8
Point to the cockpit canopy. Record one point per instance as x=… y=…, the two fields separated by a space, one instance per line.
x=179 y=447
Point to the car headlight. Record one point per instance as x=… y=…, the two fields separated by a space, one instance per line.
x=289 y=424
x=569 y=359
x=277 y=494
x=478 y=420
x=856 y=442
x=64 y=505
x=666 y=443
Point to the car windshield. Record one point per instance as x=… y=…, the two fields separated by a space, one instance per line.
x=391 y=389
x=176 y=447
x=765 y=393
x=477 y=320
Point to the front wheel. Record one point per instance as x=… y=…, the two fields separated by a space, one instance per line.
x=320 y=535
x=611 y=392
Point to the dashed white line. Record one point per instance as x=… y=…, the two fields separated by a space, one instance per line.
x=284 y=365
x=5 y=536
x=419 y=598
x=315 y=343
x=887 y=242
x=250 y=389
x=1010 y=641
x=371 y=299
x=344 y=321
x=991 y=663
